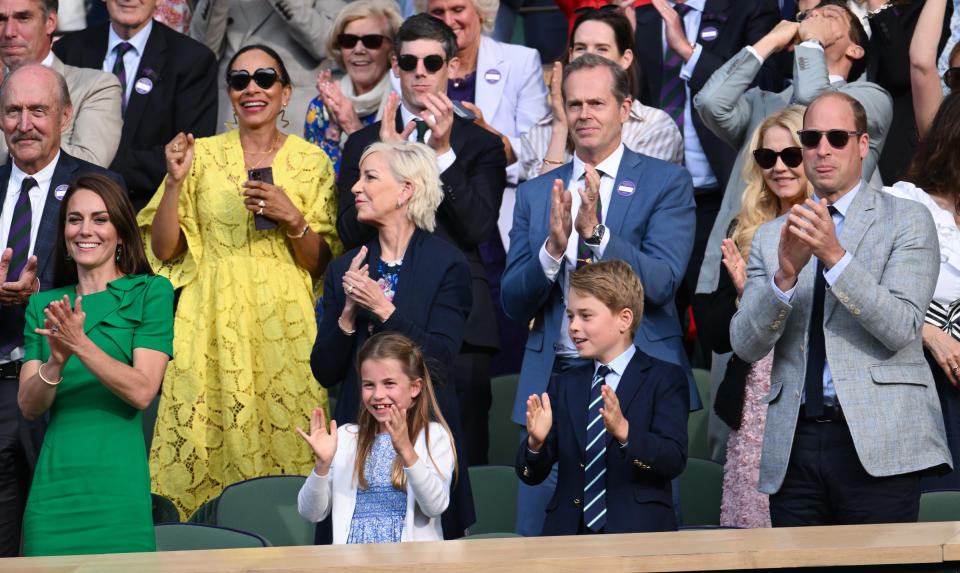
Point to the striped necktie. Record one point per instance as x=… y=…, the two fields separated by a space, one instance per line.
x=11 y=317
x=584 y=252
x=595 y=492
x=120 y=71
x=673 y=92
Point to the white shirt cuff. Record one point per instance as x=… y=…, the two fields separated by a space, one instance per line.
x=784 y=296
x=550 y=265
x=599 y=249
x=755 y=54
x=446 y=160
x=811 y=44
x=834 y=273
x=686 y=72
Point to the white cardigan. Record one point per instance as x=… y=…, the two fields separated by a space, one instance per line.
x=428 y=491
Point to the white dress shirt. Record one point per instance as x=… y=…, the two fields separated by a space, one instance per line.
x=443 y=161
x=131 y=59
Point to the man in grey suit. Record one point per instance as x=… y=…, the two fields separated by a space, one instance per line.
x=830 y=57
x=837 y=288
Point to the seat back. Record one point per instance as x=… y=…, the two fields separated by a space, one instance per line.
x=697 y=442
x=192 y=536
x=495 y=499
x=266 y=506
x=940 y=505
x=164 y=510
x=701 y=489
x=504 y=434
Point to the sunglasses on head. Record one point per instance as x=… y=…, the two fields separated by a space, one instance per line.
x=767 y=158
x=370 y=41
x=408 y=62
x=238 y=80
x=837 y=138
x=951 y=77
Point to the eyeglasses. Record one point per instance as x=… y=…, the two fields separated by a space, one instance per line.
x=767 y=158
x=951 y=77
x=238 y=80
x=408 y=62
x=370 y=41
x=837 y=138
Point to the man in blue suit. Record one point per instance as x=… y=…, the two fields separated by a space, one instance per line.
x=608 y=203
x=36 y=109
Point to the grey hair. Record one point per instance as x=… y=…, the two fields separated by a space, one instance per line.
x=63 y=100
x=486 y=8
x=386 y=9
x=416 y=163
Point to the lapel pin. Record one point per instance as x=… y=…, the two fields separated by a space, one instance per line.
x=143 y=86
x=492 y=76
x=626 y=188
x=60 y=191
x=708 y=34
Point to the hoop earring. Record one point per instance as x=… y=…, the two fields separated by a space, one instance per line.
x=283 y=117
x=232 y=125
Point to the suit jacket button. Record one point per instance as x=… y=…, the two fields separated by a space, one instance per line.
x=798 y=393
x=556 y=346
x=637 y=463
x=576 y=501
x=583 y=467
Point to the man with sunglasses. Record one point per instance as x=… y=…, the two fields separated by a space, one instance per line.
x=169 y=85
x=472 y=166
x=830 y=58
x=838 y=288
x=93 y=131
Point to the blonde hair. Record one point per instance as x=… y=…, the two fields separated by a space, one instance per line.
x=614 y=284
x=416 y=163
x=486 y=8
x=423 y=410
x=383 y=9
x=758 y=203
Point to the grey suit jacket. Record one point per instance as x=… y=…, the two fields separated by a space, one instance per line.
x=93 y=133
x=296 y=29
x=873 y=314
x=733 y=112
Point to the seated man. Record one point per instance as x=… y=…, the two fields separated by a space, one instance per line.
x=615 y=463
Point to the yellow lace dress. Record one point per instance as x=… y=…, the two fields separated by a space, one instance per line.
x=240 y=381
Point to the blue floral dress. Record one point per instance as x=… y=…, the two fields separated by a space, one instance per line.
x=380 y=511
x=315 y=131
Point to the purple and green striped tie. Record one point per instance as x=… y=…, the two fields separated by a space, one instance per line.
x=673 y=92
x=120 y=71
x=11 y=317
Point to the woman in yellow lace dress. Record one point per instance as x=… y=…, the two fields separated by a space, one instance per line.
x=240 y=378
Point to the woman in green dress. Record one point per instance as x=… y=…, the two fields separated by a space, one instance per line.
x=97 y=345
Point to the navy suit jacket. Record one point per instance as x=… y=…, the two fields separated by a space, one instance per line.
x=651 y=229
x=432 y=301
x=738 y=23
x=68 y=168
x=183 y=73
x=653 y=397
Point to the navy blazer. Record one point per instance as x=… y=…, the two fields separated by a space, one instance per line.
x=653 y=397
x=432 y=301
x=651 y=228
x=183 y=97
x=68 y=168
x=726 y=26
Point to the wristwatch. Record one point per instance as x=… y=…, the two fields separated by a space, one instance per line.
x=597 y=236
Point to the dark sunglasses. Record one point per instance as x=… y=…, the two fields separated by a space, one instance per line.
x=837 y=138
x=592 y=9
x=951 y=77
x=238 y=80
x=767 y=158
x=408 y=62
x=370 y=41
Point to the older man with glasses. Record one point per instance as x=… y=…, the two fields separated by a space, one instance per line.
x=853 y=418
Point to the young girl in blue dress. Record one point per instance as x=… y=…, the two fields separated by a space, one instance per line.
x=386 y=478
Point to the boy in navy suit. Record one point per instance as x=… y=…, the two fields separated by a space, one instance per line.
x=621 y=432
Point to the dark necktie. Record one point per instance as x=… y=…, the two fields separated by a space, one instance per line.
x=421 y=130
x=673 y=94
x=817 y=355
x=584 y=252
x=595 y=491
x=120 y=71
x=11 y=317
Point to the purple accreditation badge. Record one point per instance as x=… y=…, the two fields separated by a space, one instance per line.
x=143 y=86
x=626 y=188
x=60 y=191
x=492 y=76
x=708 y=34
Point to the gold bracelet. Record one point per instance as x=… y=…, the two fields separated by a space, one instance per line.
x=552 y=162
x=301 y=233
x=49 y=383
x=344 y=330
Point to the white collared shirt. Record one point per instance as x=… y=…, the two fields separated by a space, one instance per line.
x=445 y=160
x=131 y=59
x=617 y=367
x=551 y=266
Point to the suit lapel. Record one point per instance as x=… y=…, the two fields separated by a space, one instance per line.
x=577 y=392
x=630 y=171
x=490 y=59
x=861 y=216
x=631 y=380
x=62 y=175
x=4 y=182
x=649 y=39
x=154 y=60
x=95 y=47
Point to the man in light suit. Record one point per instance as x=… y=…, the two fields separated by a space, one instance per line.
x=296 y=29
x=170 y=86
x=647 y=219
x=93 y=131
x=838 y=288
x=34 y=143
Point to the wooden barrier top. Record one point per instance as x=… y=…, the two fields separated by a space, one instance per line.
x=721 y=549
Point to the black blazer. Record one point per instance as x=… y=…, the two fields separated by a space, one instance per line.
x=68 y=168
x=183 y=98
x=432 y=301
x=738 y=23
x=472 y=189
x=654 y=398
